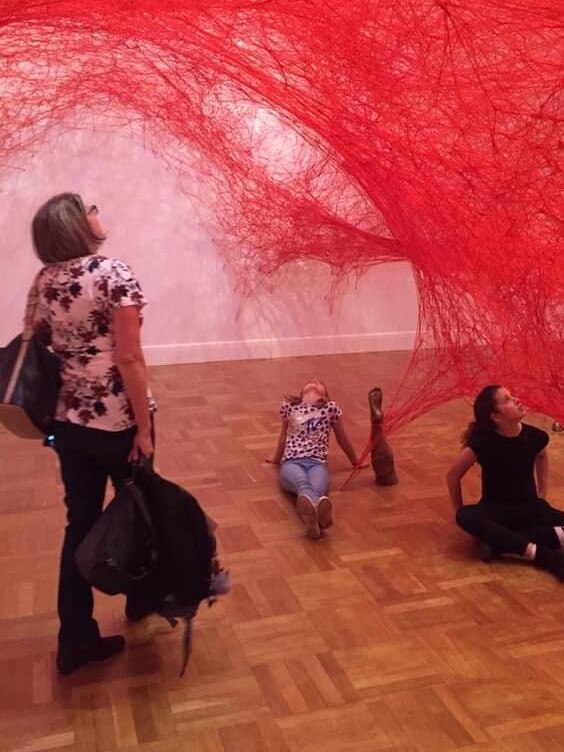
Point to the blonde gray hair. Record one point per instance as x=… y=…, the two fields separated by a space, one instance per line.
x=60 y=230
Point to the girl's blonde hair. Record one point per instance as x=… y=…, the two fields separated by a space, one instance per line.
x=295 y=400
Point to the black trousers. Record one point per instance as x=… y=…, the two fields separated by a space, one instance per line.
x=88 y=457
x=508 y=528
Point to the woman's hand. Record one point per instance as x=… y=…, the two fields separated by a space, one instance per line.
x=271 y=461
x=142 y=446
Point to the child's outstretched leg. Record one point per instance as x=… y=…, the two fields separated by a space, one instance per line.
x=309 y=480
x=318 y=475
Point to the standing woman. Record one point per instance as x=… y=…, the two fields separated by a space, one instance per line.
x=88 y=309
x=512 y=516
x=302 y=449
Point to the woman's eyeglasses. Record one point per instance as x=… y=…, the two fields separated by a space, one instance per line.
x=76 y=199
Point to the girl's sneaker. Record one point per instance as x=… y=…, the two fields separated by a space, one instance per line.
x=308 y=516
x=325 y=512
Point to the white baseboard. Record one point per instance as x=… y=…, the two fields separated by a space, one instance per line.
x=201 y=352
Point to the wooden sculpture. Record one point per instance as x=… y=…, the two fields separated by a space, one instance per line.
x=381 y=454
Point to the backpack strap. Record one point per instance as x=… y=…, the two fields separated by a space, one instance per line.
x=32 y=302
x=186 y=644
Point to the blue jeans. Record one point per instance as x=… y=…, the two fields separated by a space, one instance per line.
x=303 y=476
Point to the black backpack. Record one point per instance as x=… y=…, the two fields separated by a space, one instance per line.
x=152 y=543
x=184 y=544
x=185 y=549
x=119 y=550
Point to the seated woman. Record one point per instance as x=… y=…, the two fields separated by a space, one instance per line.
x=302 y=451
x=512 y=516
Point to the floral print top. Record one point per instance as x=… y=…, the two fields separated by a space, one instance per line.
x=75 y=299
x=308 y=429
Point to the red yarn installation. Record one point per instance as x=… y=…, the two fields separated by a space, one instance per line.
x=350 y=131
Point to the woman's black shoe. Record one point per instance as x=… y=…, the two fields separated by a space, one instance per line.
x=551 y=559
x=70 y=659
x=486 y=552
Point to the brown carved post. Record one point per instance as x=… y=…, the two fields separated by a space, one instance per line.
x=381 y=454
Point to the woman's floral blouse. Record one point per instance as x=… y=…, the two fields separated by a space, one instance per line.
x=74 y=315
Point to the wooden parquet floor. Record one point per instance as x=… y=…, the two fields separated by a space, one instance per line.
x=388 y=634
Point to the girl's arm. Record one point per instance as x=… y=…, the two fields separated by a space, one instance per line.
x=343 y=441
x=130 y=362
x=281 y=443
x=541 y=473
x=459 y=468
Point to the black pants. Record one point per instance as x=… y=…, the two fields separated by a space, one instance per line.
x=508 y=528
x=88 y=457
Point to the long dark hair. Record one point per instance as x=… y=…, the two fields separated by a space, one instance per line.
x=484 y=405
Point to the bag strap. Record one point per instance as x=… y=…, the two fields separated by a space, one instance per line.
x=32 y=302
x=30 y=309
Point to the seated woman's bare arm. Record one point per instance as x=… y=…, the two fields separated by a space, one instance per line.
x=458 y=470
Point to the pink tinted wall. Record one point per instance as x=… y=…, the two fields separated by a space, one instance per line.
x=195 y=314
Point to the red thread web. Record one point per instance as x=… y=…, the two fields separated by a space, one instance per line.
x=351 y=131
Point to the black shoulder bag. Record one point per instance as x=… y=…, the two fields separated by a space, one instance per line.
x=29 y=381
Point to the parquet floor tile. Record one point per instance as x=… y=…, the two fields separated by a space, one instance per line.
x=387 y=634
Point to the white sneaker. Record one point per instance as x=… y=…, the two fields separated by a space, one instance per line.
x=308 y=516
x=325 y=512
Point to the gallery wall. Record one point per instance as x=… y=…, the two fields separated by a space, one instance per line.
x=159 y=222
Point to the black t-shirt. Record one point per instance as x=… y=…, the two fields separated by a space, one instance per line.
x=508 y=463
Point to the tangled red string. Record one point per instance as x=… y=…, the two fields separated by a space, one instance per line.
x=351 y=131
